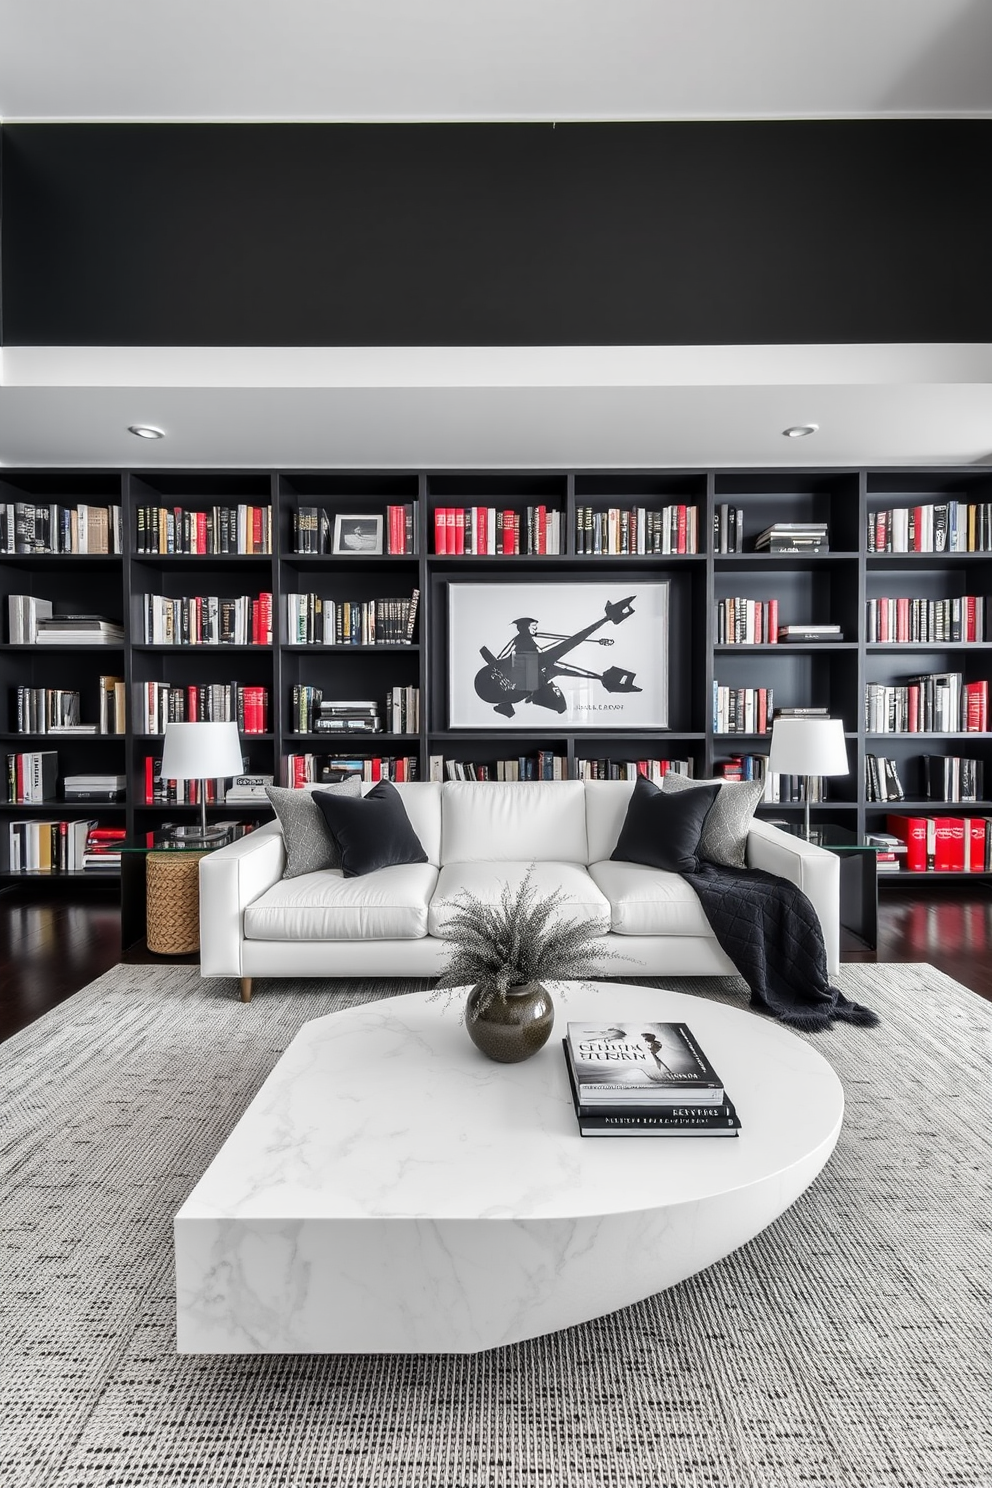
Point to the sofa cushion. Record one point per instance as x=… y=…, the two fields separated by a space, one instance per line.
x=309 y=844
x=647 y=901
x=582 y=900
x=497 y=821
x=388 y=905
x=663 y=830
x=372 y=831
x=724 y=836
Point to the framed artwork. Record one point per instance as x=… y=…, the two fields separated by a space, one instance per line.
x=361 y=534
x=592 y=655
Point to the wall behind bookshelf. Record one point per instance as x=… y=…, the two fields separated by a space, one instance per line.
x=831 y=586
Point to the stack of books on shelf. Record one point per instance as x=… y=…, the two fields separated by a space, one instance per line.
x=914 y=621
x=43 y=710
x=32 y=777
x=248 y=790
x=345 y=716
x=314 y=621
x=206 y=620
x=747 y=622
x=306 y=769
x=952 y=778
x=637 y=530
x=312 y=529
x=490 y=531
x=944 y=844
x=793 y=537
x=742 y=710
x=239 y=529
x=48 y=527
x=403 y=710
x=936 y=527
x=23 y=613
x=882 y=782
x=541 y=766
x=159 y=792
x=78 y=630
x=728 y=529
x=637 y=1079
x=619 y=769
x=62 y=846
x=159 y=703
x=805 y=633
x=891 y=854
x=936 y=703
x=94 y=787
x=745 y=767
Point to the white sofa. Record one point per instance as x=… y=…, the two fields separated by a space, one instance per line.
x=477 y=836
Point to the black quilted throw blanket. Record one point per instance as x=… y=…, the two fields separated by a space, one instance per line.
x=771 y=932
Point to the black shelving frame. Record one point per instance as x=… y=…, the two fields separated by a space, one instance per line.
x=829 y=586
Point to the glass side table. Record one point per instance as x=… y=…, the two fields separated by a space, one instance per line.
x=858 y=873
x=160 y=896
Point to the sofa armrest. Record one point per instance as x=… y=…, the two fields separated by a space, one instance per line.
x=230 y=879
x=812 y=869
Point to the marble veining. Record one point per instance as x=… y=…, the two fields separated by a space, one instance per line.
x=391 y=1189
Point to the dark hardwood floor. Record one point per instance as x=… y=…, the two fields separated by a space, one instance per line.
x=50 y=947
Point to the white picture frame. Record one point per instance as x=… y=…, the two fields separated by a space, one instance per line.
x=605 y=645
x=357 y=534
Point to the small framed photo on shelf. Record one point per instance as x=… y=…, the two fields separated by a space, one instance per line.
x=361 y=534
x=593 y=654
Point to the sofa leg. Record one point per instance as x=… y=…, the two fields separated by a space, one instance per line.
x=246 y=989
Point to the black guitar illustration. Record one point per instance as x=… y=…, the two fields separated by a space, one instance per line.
x=524 y=670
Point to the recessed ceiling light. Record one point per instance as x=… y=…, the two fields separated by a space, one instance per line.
x=145 y=431
x=799 y=431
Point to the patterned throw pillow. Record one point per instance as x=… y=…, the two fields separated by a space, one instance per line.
x=309 y=844
x=724 y=835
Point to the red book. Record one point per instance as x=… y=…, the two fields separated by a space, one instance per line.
x=256 y=529
x=917 y=529
x=681 y=539
x=376 y=768
x=948 y=844
x=192 y=705
x=255 y=608
x=401 y=768
x=970 y=619
x=773 y=620
x=542 y=534
x=902 y=619
x=762 y=710
x=457 y=528
x=299 y=771
x=201 y=532
x=977 y=705
x=913 y=831
x=913 y=701
x=975 y=827
x=481 y=529
x=440 y=529
x=149 y=779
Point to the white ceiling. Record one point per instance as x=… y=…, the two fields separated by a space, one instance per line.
x=414 y=60
x=493 y=59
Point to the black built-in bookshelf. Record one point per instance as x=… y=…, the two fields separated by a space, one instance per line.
x=830 y=586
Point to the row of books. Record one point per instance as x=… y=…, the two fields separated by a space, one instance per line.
x=306 y=769
x=921 y=620
x=544 y=765
x=63 y=846
x=206 y=620
x=793 y=537
x=403 y=710
x=637 y=1079
x=50 y=527
x=310 y=713
x=742 y=621
x=489 y=531
x=637 y=530
x=316 y=530
x=937 y=702
x=728 y=529
x=950 y=779
x=742 y=710
x=882 y=781
x=32 y=776
x=780 y=790
x=57 y=710
x=614 y=769
x=932 y=527
x=944 y=844
x=241 y=529
x=161 y=792
x=159 y=703
x=312 y=620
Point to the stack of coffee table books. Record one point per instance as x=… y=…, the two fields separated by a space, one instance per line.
x=638 y=1079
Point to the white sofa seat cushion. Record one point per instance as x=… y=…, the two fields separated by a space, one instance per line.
x=582 y=900
x=647 y=901
x=390 y=904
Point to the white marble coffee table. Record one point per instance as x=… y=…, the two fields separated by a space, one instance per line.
x=390 y=1190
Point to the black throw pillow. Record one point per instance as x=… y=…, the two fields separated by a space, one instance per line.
x=371 y=831
x=663 y=831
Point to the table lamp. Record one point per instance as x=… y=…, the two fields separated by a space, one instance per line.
x=201 y=751
x=809 y=747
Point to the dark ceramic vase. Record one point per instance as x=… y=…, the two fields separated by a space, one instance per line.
x=513 y=1027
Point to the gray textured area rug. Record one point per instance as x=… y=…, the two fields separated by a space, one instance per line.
x=847 y=1345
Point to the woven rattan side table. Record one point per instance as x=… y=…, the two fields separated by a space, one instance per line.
x=172 y=888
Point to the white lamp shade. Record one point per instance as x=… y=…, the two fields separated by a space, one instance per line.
x=201 y=751
x=807 y=746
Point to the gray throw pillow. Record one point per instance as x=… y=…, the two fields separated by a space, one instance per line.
x=724 y=836
x=309 y=844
